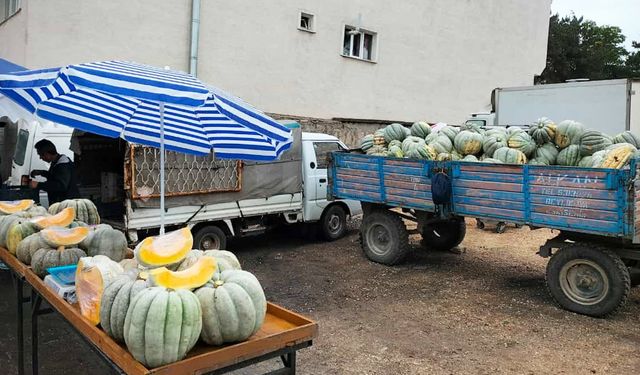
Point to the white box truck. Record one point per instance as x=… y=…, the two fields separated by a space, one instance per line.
x=611 y=106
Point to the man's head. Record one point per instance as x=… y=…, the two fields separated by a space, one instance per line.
x=46 y=150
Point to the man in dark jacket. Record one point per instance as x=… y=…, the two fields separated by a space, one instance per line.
x=61 y=178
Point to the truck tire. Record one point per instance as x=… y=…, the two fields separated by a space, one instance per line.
x=210 y=237
x=333 y=223
x=588 y=280
x=384 y=237
x=444 y=235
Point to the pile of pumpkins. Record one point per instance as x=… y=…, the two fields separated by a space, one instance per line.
x=160 y=302
x=568 y=143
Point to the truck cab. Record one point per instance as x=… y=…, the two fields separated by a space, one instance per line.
x=331 y=216
x=481 y=119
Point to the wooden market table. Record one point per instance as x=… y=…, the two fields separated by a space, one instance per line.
x=282 y=335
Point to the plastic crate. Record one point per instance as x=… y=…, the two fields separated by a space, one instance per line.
x=65 y=274
x=14 y=193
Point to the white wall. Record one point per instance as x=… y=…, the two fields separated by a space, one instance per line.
x=437 y=60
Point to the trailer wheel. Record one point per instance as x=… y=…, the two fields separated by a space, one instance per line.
x=333 y=223
x=588 y=280
x=444 y=235
x=210 y=237
x=384 y=237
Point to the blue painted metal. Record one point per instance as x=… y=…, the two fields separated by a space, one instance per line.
x=589 y=200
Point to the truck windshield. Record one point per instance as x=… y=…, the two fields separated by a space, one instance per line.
x=21 y=147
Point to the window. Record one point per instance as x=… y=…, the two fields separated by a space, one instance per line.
x=8 y=8
x=322 y=150
x=307 y=22
x=359 y=44
x=21 y=147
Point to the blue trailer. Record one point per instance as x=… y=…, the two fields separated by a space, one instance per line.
x=597 y=213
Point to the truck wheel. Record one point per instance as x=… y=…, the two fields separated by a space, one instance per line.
x=588 y=280
x=333 y=223
x=444 y=235
x=210 y=237
x=384 y=237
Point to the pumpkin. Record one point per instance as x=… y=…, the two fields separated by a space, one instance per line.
x=569 y=156
x=493 y=142
x=543 y=131
x=62 y=219
x=568 y=133
x=547 y=153
x=440 y=143
x=522 y=141
x=511 y=130
x=468 y=143
x=592 y=141
x=104 y=240
x=536 y=161
x=93 y=275
x=34 y=211
x=129 y=264
x=449 y=131
x=162 y=325
x=47 y=257
x=472 y=127
x=627 y=137
x=394 y=131
x=414 y=147
x=502 y=131
x=378 y=138
x=116 y=299
x=195 y=276
x=233 y=307
x=395 y=151
x=20 y=230
x=225 y=260
x=377 y=150
x=165 y=249
x=6 y=223
x=618 y=155
x=395 y=142
x=366 y=142
x=494 y=161
x=28 y=246
x=586 y=162
x=470 y=158
x=13 y=207
x=57 y=236
x=86 y=211
x=445 y=156
x=509 y=155
x=420 y=129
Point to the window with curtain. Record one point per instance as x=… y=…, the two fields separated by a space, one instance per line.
x=8 y=8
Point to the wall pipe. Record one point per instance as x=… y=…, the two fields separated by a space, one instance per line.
x=195 y=33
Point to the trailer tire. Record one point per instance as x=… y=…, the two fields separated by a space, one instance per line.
x=588 y=280
x=444 y=235
x=333 y=223
x=384 y=237
x=210 y=237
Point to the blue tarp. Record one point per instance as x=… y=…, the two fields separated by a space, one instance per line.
x=7 y=66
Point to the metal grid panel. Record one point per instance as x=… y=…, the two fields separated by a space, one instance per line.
x=184 y=174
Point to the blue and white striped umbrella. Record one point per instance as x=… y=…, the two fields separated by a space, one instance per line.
x=122 y=99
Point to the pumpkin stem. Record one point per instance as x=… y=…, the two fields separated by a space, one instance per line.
x=218 y=283
x=60 y=248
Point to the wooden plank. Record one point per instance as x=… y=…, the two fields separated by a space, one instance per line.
x=489 y=194
x=487 y=185
x=494 y=177
x=407 y=178
x=573 y=192
x=405 y=201
x=358 y=179
x=403 y=170
x=10 y=260
x=358 y=166
x=581 y=213
x=491 y=168
x=577 y=224
x=426 y=195
x=408 y=163
x=342 y=172
x=472 y=201
x=551 y=172
x=571 y=182
x=593 y=204
x=353 y=157
x=407 y=185
x=356 y=186
x=358 y=194
x=281 y=329
x=471 y=210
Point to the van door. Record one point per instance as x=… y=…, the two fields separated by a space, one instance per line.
x=322 y=150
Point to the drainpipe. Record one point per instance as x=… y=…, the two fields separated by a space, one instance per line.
x=195 y=31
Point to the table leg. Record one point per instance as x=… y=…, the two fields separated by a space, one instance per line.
x=289 y=361
x=18 y=284
x=36 y=300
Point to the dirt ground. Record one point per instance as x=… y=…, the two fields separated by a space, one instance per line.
x=484 y=311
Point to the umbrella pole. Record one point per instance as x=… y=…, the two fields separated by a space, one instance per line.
x=161 y=168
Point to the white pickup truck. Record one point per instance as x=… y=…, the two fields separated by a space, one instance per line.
x=216 y=199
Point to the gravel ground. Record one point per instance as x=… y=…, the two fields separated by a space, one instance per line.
x=484 y=311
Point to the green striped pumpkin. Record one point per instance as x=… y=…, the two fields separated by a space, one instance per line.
x=521 y=140
x=627 y=137
x=547 y=152
x=569 y=156
x=509 y=155
x=592 y=141
x=493 y=142
x=568 y=133
x=543 y=131
x=395 y=131
x=468 y=142
x=420 y=129
x=440 y=143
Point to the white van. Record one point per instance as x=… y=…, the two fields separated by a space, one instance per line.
x=25 y=157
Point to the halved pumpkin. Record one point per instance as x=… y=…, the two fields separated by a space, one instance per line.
x=61 y=219
x=12 y=207
x=93 y=275
x=193 y=277
x=56 y=236
x=165 y=249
